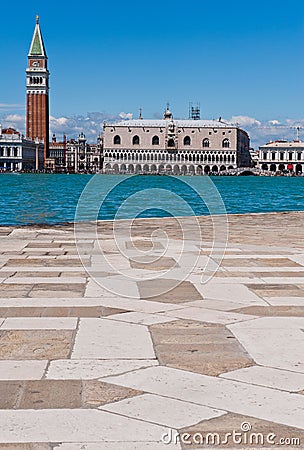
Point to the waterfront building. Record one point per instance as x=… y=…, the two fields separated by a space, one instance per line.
x=82 y=156
x=254 y=156
x=174 y=146
x=18 y=153
x=56 y=161
x=74 y=156
x=37 y=91
x=282 y=156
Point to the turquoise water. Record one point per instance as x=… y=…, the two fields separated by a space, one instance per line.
x=51 y=199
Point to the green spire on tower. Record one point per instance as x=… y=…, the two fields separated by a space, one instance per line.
x=37 y=46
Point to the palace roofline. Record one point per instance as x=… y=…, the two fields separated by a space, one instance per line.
x=160 y=123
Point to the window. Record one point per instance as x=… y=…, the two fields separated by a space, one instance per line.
x=281 y=156
x=299 y=156
x=290 y=156
x=187 y=140
x=206 y=143
x=135 y=140
x=264 y=155
x=117 y=140
x=171 y=143
x=273 y=155
x=226 y=143
x=155 y=140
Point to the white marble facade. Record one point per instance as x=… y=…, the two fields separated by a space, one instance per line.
x=174 y=146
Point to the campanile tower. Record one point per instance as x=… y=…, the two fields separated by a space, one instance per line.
x=37 y=91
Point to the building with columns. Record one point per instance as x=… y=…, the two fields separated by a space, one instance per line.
x=282 y=156
x=37 y=91
x=18 y=153
x=187 y=147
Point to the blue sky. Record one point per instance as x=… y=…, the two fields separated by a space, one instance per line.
x=236 y=58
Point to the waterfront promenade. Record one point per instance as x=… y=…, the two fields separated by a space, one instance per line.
x=127 y=356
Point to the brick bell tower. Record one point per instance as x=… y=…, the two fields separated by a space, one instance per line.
x=37 y=91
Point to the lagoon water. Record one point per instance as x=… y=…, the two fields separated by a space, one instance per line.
x=52 y=199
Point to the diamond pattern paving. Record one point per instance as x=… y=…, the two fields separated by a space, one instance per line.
x=139 y=348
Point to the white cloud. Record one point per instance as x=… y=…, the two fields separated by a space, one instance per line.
x=124 y=115
x=14 y=118
x=245 y=121
x=91 y=125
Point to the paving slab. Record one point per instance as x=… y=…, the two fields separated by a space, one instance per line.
x=269 y=377
x=118 y=446
x=35 y=344
x=273 y=341
x=230 y=292
x=198 y=347
x=103 y=338
x=93 y=368
x=209 y=316
x=39 y=323
x=141 y=318
x=155 y=351
x=65 y=425
x=163 y=411
x=234 y=396
x=22 y=370
x=96 y=393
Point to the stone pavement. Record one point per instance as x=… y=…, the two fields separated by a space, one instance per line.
x=133 y=357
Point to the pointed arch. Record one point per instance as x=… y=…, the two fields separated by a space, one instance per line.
x=206 y=143
x=155 y=140
x=117 y=140
x=187 y=140
x=226 y=143
x=135 y=140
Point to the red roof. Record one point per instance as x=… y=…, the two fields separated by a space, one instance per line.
x=9 y=131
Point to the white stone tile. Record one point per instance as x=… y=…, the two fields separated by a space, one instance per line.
x=209 y=315
x=285 y=301
x=231 y=292
x=269 y=377
x=93 y=289
x=273 y=341
x=119 y=446
x=48 y=280
x=109 y=339
x=111 y=287
x=112 y=262
x=255 y=256
x=297 y=258
x=118 y=285
x=86 y=369
x=22 y=370
x=219 y=305
x=236 y=281
x=11 y=245
x=111 y=302
x=42 y=269
x=264 y=269
x=284 y=280
x=163 y=411
x=39 y=323
x=234 y=396
x=141 y=318
x=66 y=425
